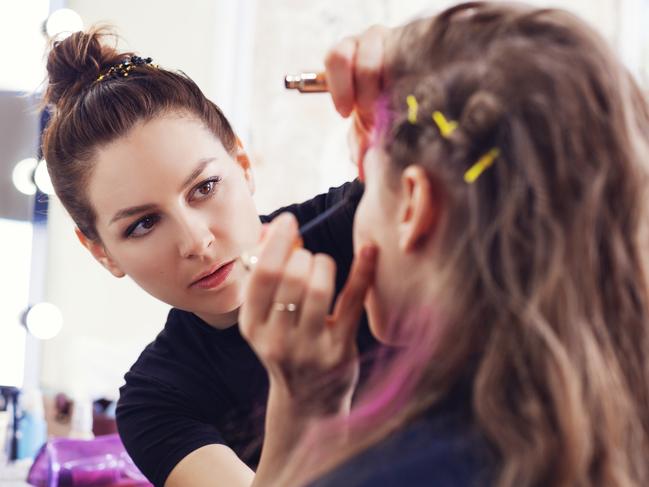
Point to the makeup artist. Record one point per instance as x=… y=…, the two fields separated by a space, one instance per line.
x=161 y=190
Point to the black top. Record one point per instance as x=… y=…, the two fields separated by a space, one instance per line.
x=443 y=448
x=196 y=385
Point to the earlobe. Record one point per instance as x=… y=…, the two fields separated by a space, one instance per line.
x=244 y=161
x=98 y=251
x=250 y=180
x=419 y=208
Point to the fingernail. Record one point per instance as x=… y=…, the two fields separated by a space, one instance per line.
x=369 y=252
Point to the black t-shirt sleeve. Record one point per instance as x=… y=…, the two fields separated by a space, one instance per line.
x=157 y=427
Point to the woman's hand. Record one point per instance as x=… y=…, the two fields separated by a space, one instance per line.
x=310 y=356
x=354 y=69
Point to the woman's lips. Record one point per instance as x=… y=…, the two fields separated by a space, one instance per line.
x=215 y=278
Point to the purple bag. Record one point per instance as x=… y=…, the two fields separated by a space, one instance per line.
x=63 y=462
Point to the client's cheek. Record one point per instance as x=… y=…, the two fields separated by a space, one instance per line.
x=362 y=232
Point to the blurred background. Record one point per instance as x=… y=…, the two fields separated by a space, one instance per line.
x=67 y=327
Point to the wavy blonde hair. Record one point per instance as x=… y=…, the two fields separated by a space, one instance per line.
x=544 y=291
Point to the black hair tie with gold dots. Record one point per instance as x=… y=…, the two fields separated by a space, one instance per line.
x=124 y=68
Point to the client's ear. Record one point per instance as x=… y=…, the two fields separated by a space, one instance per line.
x=98 y=251
x=244 y=161
x=419 y=208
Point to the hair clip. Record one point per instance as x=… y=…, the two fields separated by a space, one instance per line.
x=446 y=127
x=413 y=107
x=479 y=167
x=122 y=69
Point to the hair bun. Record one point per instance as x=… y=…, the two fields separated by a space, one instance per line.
x=76 y=61
x=481 y=115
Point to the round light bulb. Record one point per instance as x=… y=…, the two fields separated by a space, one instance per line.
x=63 y=22
x=44 y=321
x=22 y=176
x=42 y=178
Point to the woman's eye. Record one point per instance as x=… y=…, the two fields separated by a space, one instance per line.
x=205 y=189
x=142 y=226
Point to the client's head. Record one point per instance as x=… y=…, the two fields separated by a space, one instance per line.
x=505 y=191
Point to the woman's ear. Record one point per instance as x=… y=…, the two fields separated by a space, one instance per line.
x=98 y=251
x=244 y=161
x=418 y=208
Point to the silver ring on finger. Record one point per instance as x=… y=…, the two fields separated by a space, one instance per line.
x=288 y=307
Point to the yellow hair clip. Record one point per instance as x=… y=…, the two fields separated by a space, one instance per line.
x=413 y=107
x=446 y=127
x=479 y=167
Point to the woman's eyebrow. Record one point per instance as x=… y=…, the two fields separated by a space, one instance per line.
x=134 y=210
x=197 y=172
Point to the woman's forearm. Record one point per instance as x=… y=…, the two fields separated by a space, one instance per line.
x=287 y=420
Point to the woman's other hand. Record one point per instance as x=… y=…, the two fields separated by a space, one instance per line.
x=354 y=69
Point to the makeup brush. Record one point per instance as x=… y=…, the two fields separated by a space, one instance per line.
x=248 y=260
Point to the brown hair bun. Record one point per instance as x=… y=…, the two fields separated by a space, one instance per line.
x=75 y=62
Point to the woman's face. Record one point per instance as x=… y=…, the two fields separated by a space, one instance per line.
x=374 y=223
x=173 y=207
x=397 y=214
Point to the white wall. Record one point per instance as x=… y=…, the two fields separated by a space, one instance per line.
x=297 y=142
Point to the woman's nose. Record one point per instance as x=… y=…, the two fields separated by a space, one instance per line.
x=195 y=238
